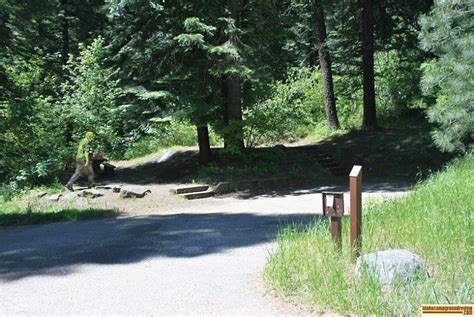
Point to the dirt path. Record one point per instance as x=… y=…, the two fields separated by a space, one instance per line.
x=165 y=171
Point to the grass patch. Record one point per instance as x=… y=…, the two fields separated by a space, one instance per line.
x=434 y=221
x=24 y=217
x=13 y=215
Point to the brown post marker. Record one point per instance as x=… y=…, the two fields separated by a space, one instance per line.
x=336 y=231
x=356 y=209
x=333 y=206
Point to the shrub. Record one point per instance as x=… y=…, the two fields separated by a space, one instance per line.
x=29 y=133
x=162 y=134
x=292 y=104
x=397 y=82
x=90 y=100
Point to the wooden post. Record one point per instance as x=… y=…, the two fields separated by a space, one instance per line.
x=336 y=231
x=333 y=206
x=356 y=209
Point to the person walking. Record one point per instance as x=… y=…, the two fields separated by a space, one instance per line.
x=83 y=165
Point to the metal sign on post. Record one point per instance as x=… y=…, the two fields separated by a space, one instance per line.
x=333 y=206
x=355 y=184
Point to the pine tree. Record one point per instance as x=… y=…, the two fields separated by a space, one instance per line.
x=448 y=32
x=324 y=63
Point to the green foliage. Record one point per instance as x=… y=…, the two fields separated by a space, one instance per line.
x=167 y=134
x=397 y=82
x=90 y=99
x=27 y=123
x=307 y=264
x=11 y=215
x=448 y=33
x=170 y=59
x=292 y=104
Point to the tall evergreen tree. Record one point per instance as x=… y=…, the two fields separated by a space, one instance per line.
x=370 y=113
x=448 y=32
x=231 y=81
x=324 y=62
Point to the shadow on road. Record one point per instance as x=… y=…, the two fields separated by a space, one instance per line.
x=59 y=249
x=298 y=190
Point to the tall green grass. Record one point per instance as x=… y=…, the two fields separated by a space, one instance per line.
x=434 y=221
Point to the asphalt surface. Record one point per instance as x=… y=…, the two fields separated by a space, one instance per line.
x=205 y=260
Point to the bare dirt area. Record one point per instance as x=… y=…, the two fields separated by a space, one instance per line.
x=163 y=172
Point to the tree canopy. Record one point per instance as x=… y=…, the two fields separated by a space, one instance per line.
x=242 y=72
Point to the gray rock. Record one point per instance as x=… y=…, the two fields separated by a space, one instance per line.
x=190 y=189
x=116 y=188
x=104 y=187
x=224 y=187
x=390 y=265
x=90 y=193
x=41 y=194
x=70 y=196
x=133 y=191
x=54 y=197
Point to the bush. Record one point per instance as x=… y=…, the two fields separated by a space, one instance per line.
x=292 y=104
x=164 y=134
x=31 y=140
x=90 y=100
x=397 y=86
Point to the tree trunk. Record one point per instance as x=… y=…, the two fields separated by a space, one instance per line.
x=325 y=64
x=233 y=113
x=65 y=33
x=204 y=144
x=234 y=137
x=370 y=114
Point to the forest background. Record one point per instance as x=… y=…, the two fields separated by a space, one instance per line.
x=151 y=74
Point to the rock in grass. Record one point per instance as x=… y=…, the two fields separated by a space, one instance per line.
x=391 y=265
x=54 y=197
x=116 y=188
x=41 y=194
x=134 y=191
x=70 y=196
x=90 y=193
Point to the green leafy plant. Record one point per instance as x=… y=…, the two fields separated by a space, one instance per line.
x=291 y=104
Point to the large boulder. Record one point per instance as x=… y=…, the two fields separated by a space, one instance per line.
x=391 y=265
x=134 y=191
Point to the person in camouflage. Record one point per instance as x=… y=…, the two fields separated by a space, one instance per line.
x=83 y=165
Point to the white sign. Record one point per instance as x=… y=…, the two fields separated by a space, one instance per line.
x=330 y=201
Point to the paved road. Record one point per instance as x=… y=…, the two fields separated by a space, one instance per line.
x=206 y=260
